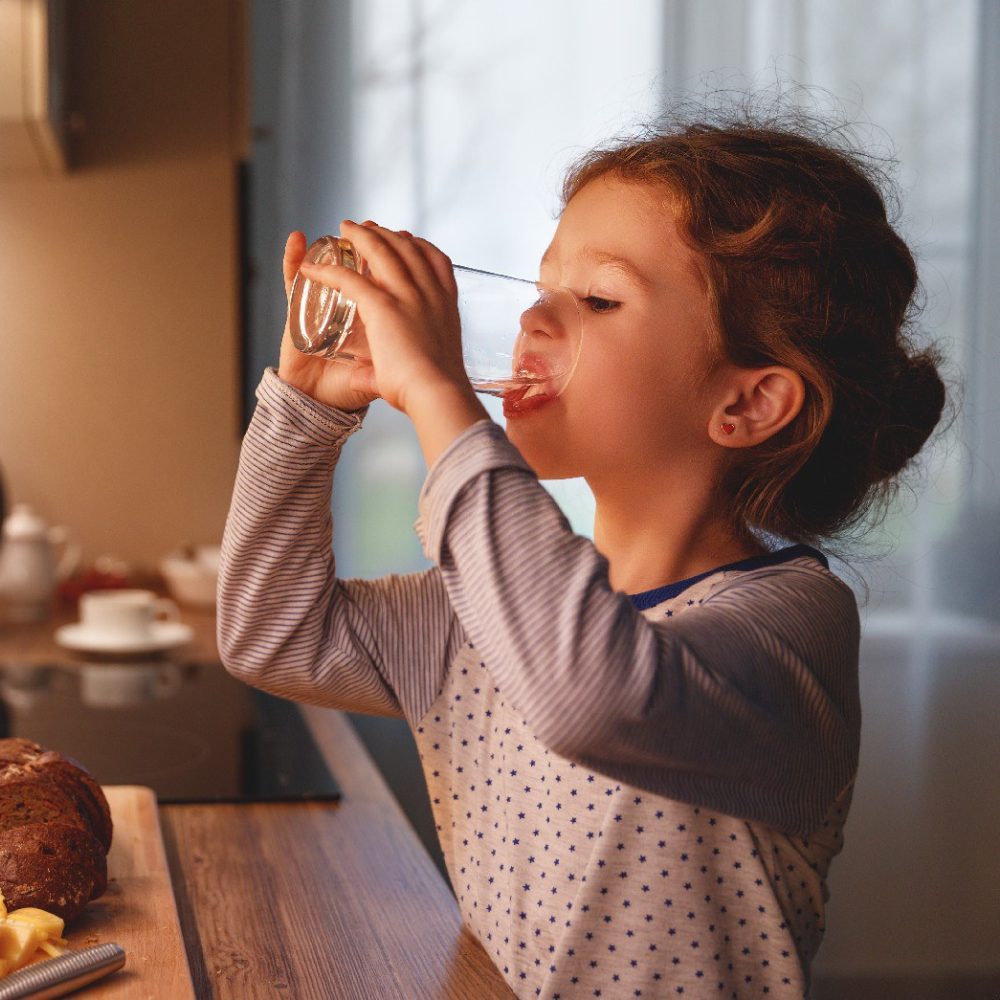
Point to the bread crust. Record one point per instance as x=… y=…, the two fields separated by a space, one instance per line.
x=73 y=779
x=18 y=750
x=55 y=830
x=38 y=800
x=54 y=866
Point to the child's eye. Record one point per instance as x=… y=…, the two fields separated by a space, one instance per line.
x=598 y=305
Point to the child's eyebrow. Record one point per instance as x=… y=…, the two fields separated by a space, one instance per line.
x=623 y=265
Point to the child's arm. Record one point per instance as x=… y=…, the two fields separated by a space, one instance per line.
x=748 y=702
x=286 y=624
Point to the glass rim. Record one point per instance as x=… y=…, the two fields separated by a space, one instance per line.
x=342 y=242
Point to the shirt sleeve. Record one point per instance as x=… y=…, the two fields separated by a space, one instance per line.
x=746 y=702
x=286 y=623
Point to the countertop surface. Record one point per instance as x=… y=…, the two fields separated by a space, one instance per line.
x=303 y=899
x=319 y=900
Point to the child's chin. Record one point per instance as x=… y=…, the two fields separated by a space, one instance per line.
x=539 y=455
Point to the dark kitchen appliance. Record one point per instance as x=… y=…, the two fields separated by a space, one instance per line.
x=189 y=731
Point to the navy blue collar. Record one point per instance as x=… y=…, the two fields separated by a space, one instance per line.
x=650 y=598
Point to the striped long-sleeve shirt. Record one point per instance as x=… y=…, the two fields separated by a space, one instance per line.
x=636 y=795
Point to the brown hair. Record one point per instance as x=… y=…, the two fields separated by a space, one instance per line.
x=803 y=269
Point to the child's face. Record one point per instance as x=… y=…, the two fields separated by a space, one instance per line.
x=637 y=398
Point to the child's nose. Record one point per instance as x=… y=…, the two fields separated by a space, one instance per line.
x=554 y=314
x=534 y=321
x=551 y=336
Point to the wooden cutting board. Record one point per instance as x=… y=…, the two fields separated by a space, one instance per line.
x=138 y=910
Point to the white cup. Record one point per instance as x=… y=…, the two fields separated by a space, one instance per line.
x=207 y=557
x=125 y=615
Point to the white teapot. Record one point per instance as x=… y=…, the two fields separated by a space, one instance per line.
x=34 y=557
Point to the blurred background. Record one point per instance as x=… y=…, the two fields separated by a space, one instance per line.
x=141 y=287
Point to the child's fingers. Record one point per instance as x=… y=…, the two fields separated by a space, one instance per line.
x=433 y=266
x=380 y=250
x=405 y=255
x=295 y=250
x=355 y=286
x=440 y=262
x=404 y=248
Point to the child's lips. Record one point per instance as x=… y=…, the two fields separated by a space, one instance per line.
x=517 y=402
x=523 y=399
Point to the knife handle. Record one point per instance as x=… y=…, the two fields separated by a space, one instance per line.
x=55 y=977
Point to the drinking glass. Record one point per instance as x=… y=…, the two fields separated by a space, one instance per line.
x=518 y=337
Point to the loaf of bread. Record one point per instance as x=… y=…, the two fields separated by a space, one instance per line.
x=18 y=750
x=55 y=830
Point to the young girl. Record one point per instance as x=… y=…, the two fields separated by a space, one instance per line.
x=640 y=751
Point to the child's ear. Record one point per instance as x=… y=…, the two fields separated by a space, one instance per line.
x=757 y=403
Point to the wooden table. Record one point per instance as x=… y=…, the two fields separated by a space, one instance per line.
x=313 y=900
x=305 y=900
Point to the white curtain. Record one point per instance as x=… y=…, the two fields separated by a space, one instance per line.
x=461 y=117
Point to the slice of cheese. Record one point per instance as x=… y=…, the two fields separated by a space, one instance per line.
x=18 y=942
x=49 y=924
x=27 y=935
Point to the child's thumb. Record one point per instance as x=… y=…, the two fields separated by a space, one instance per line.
x=363 y=379
x=295 y=250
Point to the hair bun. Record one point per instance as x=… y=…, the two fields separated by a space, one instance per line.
x=915 y=397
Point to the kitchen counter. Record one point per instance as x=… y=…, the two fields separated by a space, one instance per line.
x=307 y=899
x=34 y=645
x=318 y=900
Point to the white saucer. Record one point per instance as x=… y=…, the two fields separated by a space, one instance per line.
x=163 y=635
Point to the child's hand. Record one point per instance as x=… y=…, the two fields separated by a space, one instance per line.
x=408 y=302
x=345 y=386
